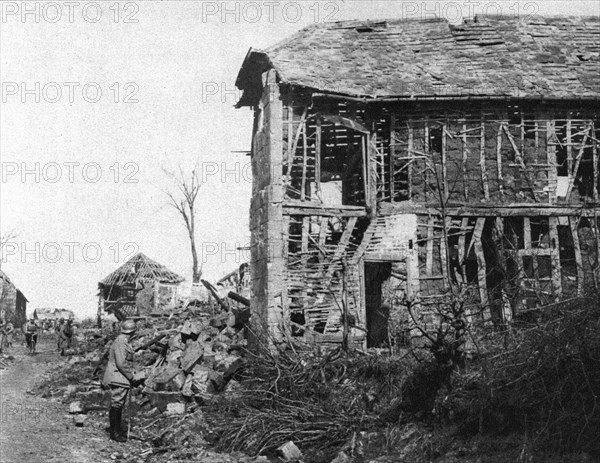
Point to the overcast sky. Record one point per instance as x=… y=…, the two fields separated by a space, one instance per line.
x=99 y=97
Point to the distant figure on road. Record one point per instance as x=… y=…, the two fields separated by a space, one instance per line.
x=65 y=337
x=9 y=329
x=57 y=330
x=120 y=377
x=30 y=330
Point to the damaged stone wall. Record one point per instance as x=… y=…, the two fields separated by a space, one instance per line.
x=266 y=236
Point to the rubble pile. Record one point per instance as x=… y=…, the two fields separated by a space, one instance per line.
x=198 y=359
x=195 y=356
x=5 y=360
x=189 y=360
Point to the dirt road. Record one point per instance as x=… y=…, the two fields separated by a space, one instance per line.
x=36 y=430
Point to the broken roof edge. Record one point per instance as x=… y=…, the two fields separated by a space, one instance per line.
x=368 y=99
x=258 y=61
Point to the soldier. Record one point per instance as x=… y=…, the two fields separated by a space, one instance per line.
x=120 y=377
x=57 y=330
x=30 y=330
x=9 y=329
x=65 y=336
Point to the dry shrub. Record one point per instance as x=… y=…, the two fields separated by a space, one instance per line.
x=540 y=379
x=318 y=402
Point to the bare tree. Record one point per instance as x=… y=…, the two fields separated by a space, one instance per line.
x=184 y=201
x=5 y=238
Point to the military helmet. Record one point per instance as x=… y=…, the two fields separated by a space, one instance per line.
x=128 y=327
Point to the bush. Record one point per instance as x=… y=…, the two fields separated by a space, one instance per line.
x=541 y=379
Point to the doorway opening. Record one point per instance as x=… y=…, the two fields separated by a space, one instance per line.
x=377 y=307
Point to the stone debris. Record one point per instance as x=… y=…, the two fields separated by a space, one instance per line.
x=175 y=408
x=79 y=420
x=289 y=452
x=75 y=407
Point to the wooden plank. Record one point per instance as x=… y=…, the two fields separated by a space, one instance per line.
x=555 y=257
x=595 y=162
x=410 y=162
x=526 y=233
x=444 y=162
x=519 y=159
x=512 y=210
x=465 y=160
x=482 y=166
x=444 y=258
x=477 y=230
x=481 y=269
x=341 y=247
x=294 y=147
x=288 y=159
x=551 y=157
x=372 y=154
x=381 y=156
x=428 y=154
x=429 y=256
x=578 y=258
x=506 y=309
x=461 y=246
x=289 y=208
x=318 y=157
x=569 y=147
x=286 y=235
x=305 y=234
x=392 y=155
x=365 y=164
x=576 y=166
x=522 y=132
x=304 y=163
x=499 y=162
x=323 y=226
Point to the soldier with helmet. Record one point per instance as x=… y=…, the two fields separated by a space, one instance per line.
x=120 y=377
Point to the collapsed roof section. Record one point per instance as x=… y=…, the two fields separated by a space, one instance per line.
x=140 y=267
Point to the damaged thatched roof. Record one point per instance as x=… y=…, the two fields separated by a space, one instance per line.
x=551 y=57
x=140 y=267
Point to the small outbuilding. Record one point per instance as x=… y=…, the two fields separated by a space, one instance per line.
x=141 y=286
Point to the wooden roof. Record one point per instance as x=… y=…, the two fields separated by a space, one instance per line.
x=549 y=57
x=140 y=267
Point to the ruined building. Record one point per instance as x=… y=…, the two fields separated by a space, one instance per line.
x=13 y=304
x=394 y=159
x=139 y=287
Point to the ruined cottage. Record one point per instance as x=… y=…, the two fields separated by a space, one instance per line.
x=394 y=159
x=139 y=287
